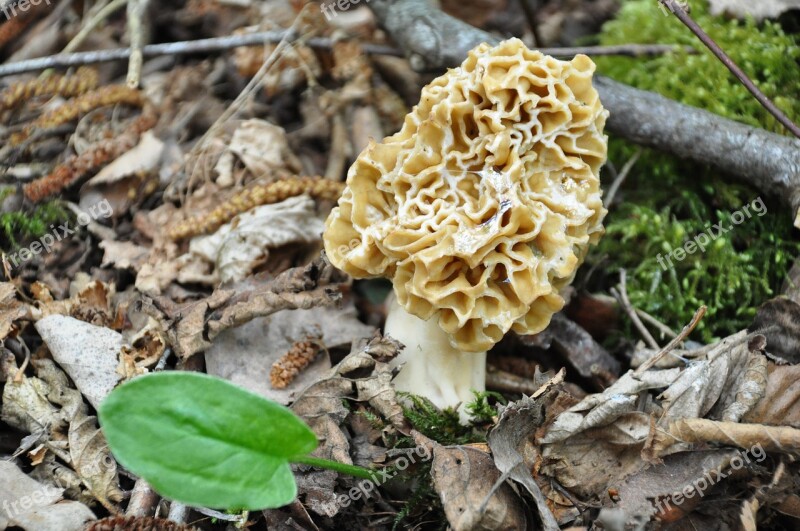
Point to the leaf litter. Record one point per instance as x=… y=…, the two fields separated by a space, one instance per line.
x=211 y=260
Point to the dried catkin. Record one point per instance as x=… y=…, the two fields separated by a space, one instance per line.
x=137 y=523
x=286 y=369
x=78 y=106
x=253 y=196
x=68 y=86
x=90 y=160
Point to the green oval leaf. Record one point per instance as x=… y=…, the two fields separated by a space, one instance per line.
x=203 y=441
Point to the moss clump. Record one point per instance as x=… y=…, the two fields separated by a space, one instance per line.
x=667 y=202
x=735 y=273
x=764 y=52
x=443 y=426
x=18 y=228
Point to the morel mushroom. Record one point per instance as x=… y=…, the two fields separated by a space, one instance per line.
x=479 y=210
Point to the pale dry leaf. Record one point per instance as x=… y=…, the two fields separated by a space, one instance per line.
x=30 y=505
x=780 y=405
x=570 y=423
x=25 y=404
x=615 y=400
x=123 y=255
x=88 y=353
x=143 y=157
x=261 y=146
x=464 y=478
x=771 y=438
x=244 y=355
x=29 y=404
x=92 y=460
x=706 y=382
x=238 y=247
x=119 y=183
x=749 y=389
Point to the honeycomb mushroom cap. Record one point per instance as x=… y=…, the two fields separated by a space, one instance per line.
x=482 y=207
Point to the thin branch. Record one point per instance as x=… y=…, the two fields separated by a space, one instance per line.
x=177 y=48
x=683 y=16
x=136 y=36
x=215 y=44
x=622 y=297
x=701 y=311
x=623 y=174
x=664 y=329
x=92 y=23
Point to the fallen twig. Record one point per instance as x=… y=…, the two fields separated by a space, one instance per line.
x=136 y=36
x=215 y=44
x=623 y=174
x=701 y=311
x=624 y=301
x=678 y=10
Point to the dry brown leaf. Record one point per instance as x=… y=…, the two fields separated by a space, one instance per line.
x=320 y=405
x=777 y=319
x=47 y=403
x=193 y=327
x=618 y=396
x=238 y=247
x=25 y=401
x=92 y=461
x=640 y=492
x=515 y=454
x=705 y=382
x=261 y=146
x=123 y=255
x=11 y=309
x=124 y=181
x=781 y=403
x=771 y=438
x=465 y=480
x=750 y=389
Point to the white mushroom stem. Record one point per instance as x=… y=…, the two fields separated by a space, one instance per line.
x=431 y=367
